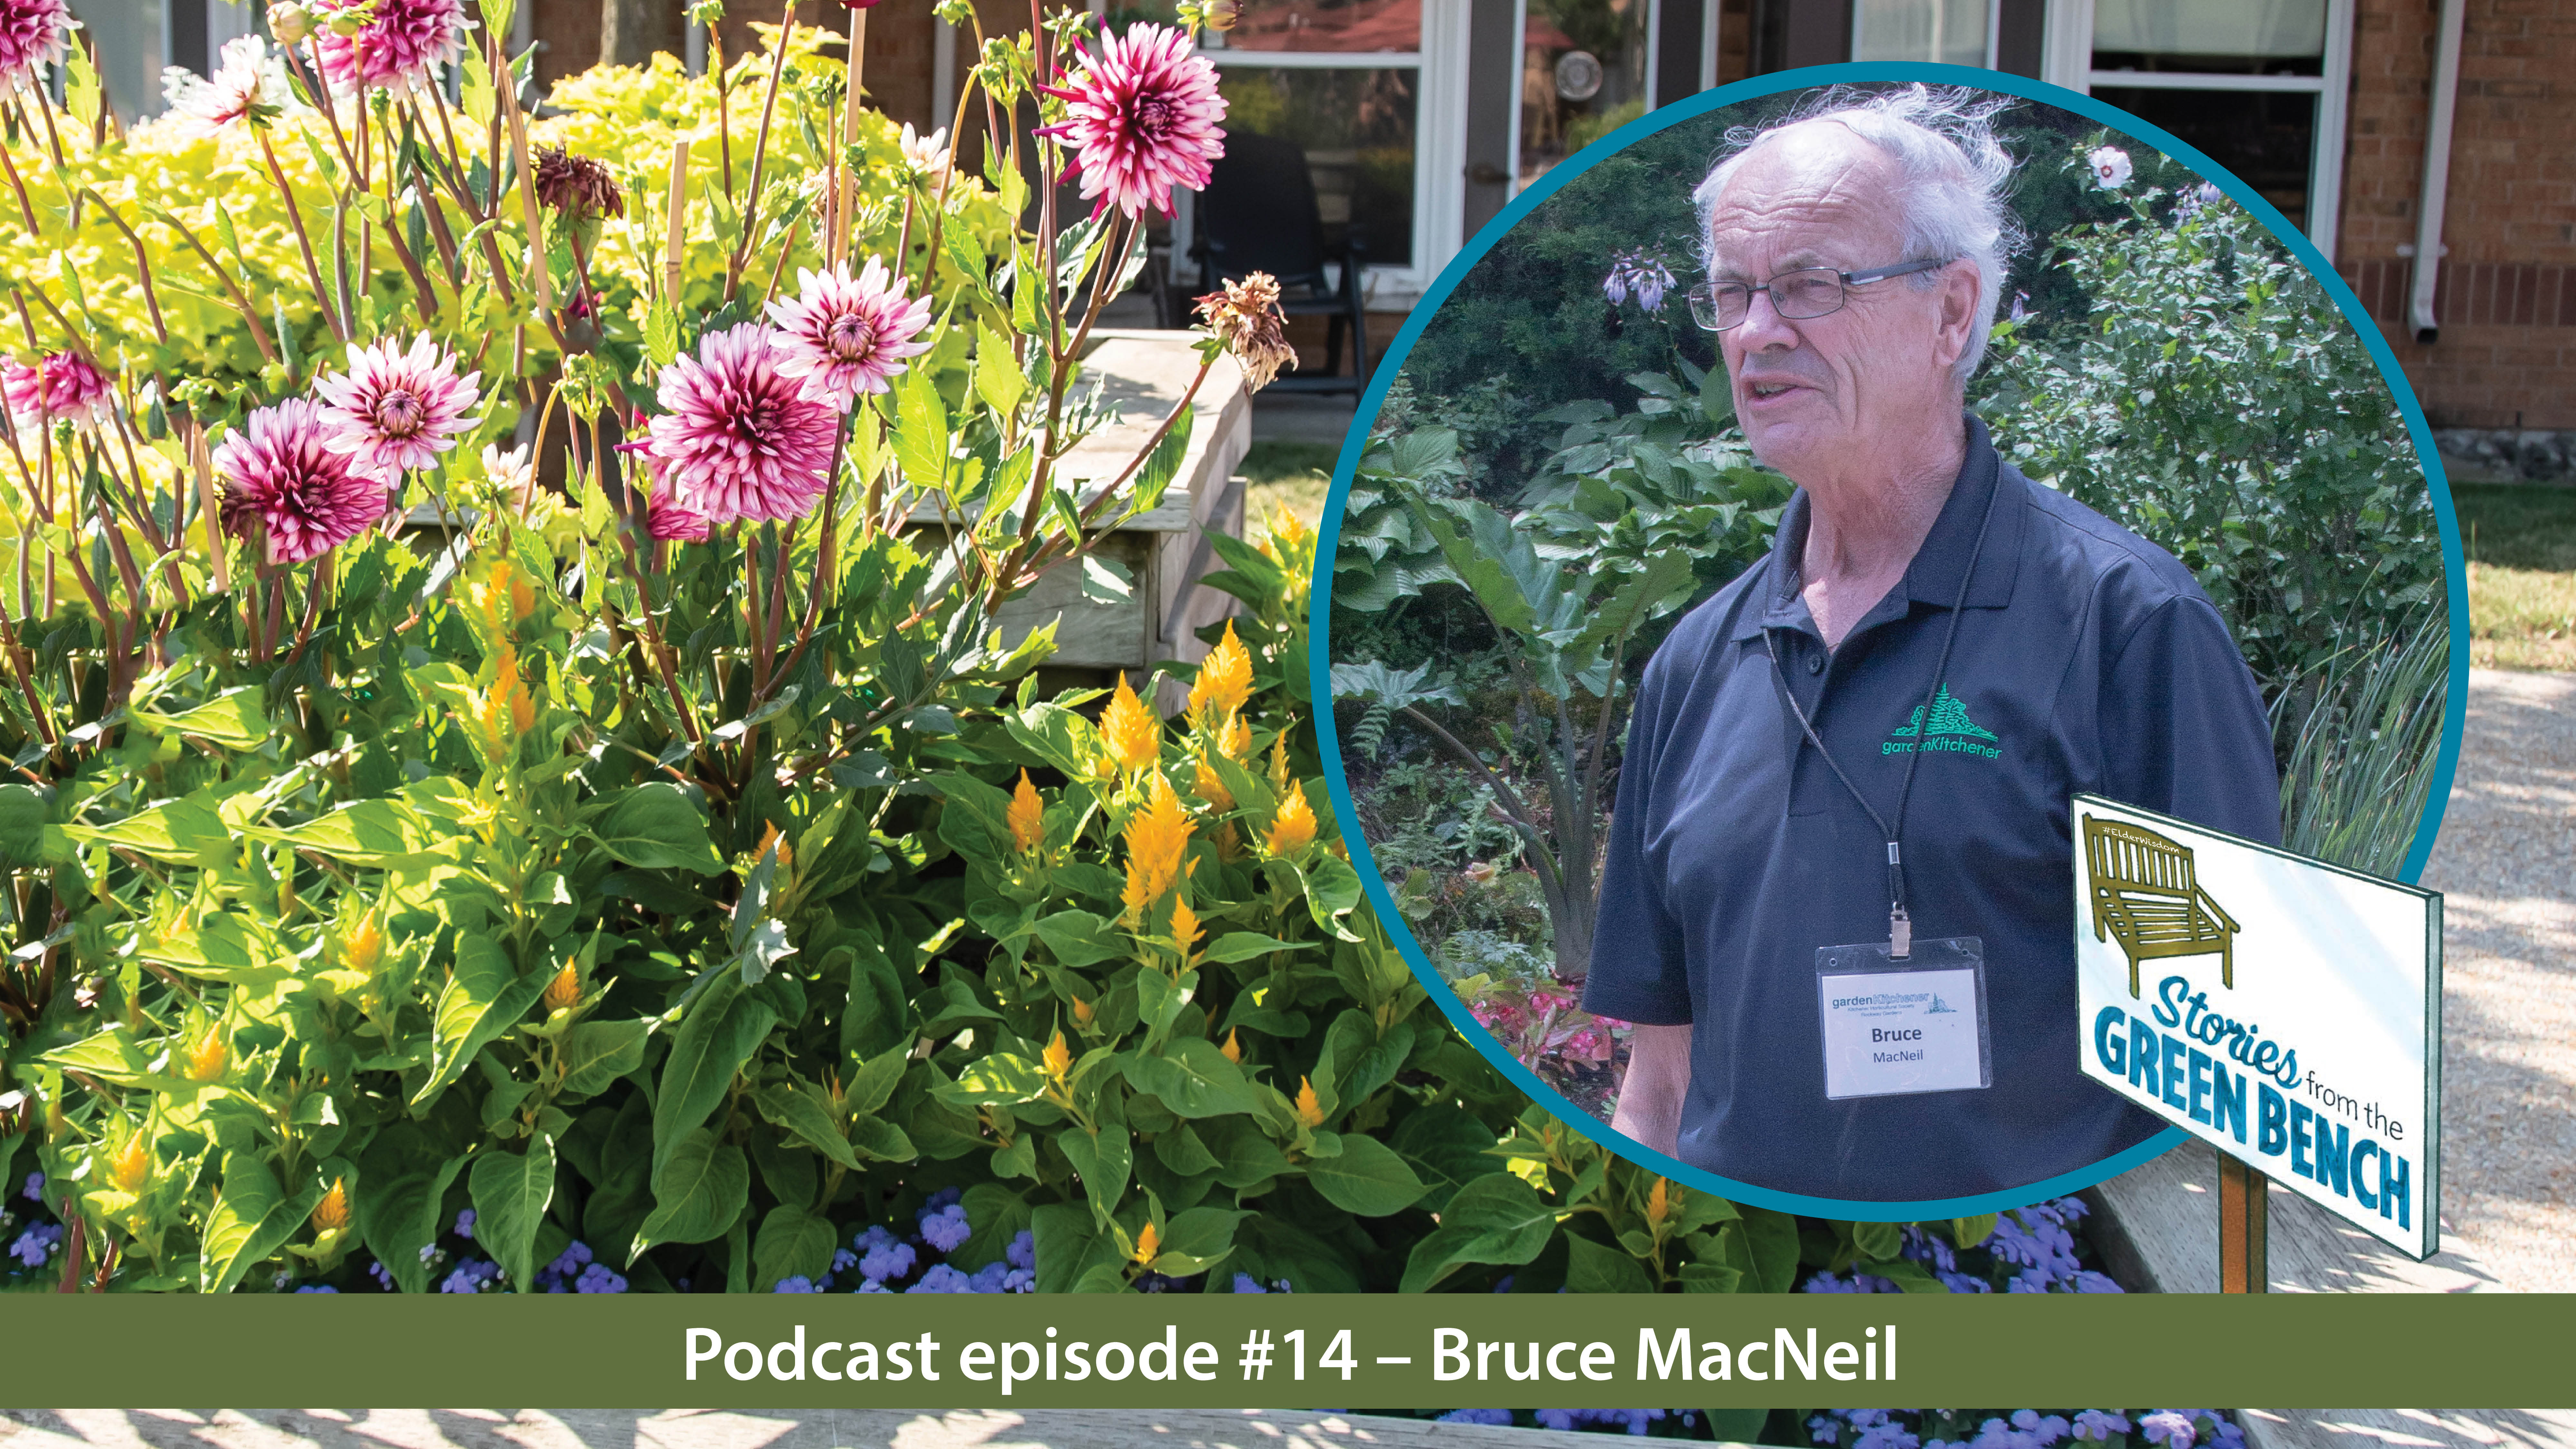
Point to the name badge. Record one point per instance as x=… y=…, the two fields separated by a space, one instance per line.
x=1916 y=1025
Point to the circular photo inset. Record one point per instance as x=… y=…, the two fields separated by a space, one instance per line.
x=1764 y=530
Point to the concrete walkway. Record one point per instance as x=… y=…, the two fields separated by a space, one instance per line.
x=2506 y=866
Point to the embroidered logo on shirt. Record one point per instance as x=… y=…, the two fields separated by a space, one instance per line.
x=1950 y=732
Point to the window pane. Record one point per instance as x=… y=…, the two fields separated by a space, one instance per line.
x=1357 y=130
x=2266 y=137
x=1325 y=25
x=1583 y=75
x=2256 y=37
x=1950 y=31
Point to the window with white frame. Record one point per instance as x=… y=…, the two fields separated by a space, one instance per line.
x=2258 y=85
x=1373 y=91
x=1587 y=68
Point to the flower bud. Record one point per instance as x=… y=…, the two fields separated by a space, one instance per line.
x=133 y=1165
x=1148 y=1243
x=363 y=949
x=347 y=26
x=207 y=1060
x=289 y=23
x=565 y=989
x=332 y=1213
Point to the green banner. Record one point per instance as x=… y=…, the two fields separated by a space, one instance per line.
x=1290 y=1351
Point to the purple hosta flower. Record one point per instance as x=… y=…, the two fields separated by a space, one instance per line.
x=317 y=1288
x=1498 y=1418
x=1141 y=118
x=599 y=1278
x=249 y=86
x=738 y=438
x=471 y=1276
x=2096 y=1425
x=1023 y=1251
x=396 y=44
x=943 y=1279
x=36 y=1244
x=2169 y=1428
x=2020 y=307
x=32 y=36
x=845 y=336
x=2110 y=165
x=280 y=472
x=1638 y=272
x=797 y=1284
x=883 y=1256
x=947 y=1228
x=33 y=1189
x=465 y=1225
x=61 y=387
x=383 y=1275
x=394 y=410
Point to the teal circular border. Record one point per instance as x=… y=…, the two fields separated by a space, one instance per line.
x=1389 y=362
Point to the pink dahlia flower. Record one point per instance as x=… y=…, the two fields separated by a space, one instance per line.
x=1143 y=119
x=280 y=472
x=846 y=337
x=32 y=35
x=393 y=410
x=738 y=437
x=671 y=521
x=399 y=44
x=250 y=85
x=62 y=386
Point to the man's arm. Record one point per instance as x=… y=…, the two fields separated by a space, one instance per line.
x=1650 y=1100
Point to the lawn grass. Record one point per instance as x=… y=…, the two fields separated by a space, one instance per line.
x=1289 y=475
x=2521 y=543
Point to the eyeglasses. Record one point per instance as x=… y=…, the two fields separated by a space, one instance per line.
x=1804 y=293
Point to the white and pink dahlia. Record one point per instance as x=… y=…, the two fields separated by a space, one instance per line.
x=669 y=520
x=280 y=472
x=1142 y=119
x=738 y=437
x=250 y=85
x=844 y=336
x=61 y=387
x=32 y=36
x=396 y=44
x=396 y=410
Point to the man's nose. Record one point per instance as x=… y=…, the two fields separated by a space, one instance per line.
x=1763 y=327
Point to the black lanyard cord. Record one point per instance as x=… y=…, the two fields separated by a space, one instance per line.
x=1900 y=925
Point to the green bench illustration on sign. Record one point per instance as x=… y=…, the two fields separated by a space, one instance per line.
x=2144 y=895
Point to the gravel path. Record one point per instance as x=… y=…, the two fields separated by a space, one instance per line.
x=2506 y=865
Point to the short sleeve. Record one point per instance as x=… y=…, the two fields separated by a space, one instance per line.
x=2183 y=726
x=1638 y=972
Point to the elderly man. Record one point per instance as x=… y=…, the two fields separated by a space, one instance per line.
x=1838 y=899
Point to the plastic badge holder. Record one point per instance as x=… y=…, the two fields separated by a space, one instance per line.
x=1894 y=1027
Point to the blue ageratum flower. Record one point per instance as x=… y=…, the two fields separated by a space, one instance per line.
x=2098 y=1425
x=946 y=1229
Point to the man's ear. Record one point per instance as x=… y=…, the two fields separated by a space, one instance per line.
x=1958 y=314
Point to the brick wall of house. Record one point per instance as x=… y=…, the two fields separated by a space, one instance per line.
x=2506 y=354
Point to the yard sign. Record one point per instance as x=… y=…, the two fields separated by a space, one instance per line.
x=2286 y=1011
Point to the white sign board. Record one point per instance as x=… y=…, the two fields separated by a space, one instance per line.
x=2286 y=1011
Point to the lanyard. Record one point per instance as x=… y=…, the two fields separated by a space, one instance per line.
x=1900 y=926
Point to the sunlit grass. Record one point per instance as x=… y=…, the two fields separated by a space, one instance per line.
x=1289 y=475
x=2521 y=543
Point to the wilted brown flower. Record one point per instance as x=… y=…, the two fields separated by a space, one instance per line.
x=577 y=187
x=1246 y=315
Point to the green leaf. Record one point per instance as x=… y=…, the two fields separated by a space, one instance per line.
x=22 y=826
x=481 y=1000
x=920 y=429
x=655 y=826
x=1193 y=1078
x=698 y=1193
x=371 y=834
x=1591 y=1267
x=1196 y=1240
x=721 y=1031
x=794 y=1109
x=252 y=1219
x=1245 y=945
x=1002 y=1078
x=1162 y=465
x=1497 y=1218
x=232 y=719
x=792 y=1243
x=1079 y=938
x=186 y=830
x=1772 y=1238
x=511 y=1194
x=391 y=1220
x=1967 y=1233
x=596 y=1053
x=1710 y=1278
x=1877 y=1240
x=1366 y=1178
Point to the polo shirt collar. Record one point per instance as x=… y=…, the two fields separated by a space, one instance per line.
x=1933 y=576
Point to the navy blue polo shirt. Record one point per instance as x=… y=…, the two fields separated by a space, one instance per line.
x=2089 y=659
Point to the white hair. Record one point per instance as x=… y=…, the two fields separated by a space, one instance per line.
x=1952 y=179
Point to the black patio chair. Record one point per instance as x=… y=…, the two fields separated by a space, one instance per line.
x=1259 y=214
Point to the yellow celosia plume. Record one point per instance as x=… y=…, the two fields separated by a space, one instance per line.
x=1224 y=682
x=1027 y=816
x=1157 y=837
x=1134 y=736
x=1310 y=1110
x=1293 y=829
